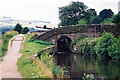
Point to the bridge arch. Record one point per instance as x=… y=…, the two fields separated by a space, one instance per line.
x=64 y=43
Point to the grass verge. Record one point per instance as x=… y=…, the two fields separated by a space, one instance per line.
x=5 y=41
x=25 y=62
x=12 y=41
x=30 y=67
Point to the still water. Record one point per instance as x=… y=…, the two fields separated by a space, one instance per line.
x=78 y=65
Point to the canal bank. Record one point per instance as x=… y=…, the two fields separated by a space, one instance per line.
x=70 y=65
x=88 y=61
x=31 y=66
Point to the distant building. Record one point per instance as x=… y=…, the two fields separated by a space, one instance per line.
x=118 y=6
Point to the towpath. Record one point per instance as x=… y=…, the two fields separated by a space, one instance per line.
x=9 y=64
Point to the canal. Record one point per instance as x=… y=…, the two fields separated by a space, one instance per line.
x=78 y=65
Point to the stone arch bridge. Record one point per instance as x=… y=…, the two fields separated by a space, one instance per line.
x=74 y=32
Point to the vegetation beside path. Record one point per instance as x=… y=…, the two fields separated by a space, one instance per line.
x=5 y=41
x=30 y=67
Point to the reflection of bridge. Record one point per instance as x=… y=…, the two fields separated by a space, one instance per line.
x=74 y=32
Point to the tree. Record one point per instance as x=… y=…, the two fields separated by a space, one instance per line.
x=89 y=15
x=96 y=20
x=116 y=19
x=106 y=14
x=93 y=12
x=18 y=28
x=71 y=14
x=25 y=30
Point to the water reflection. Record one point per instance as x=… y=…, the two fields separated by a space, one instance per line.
x=78 y=65
x=109 y=70
x=63 y=60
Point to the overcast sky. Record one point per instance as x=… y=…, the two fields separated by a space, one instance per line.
x=47 y=10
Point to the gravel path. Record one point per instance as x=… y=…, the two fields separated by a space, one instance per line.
x=9 y=63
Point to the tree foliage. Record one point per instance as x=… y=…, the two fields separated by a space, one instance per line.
x=71 y=14
x=93 y=12
x=18 y=28
x=116 y=19
x=25 y=30
x=96 y=20
x=106 y=14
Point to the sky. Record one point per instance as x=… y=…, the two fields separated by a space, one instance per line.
x=47 y=10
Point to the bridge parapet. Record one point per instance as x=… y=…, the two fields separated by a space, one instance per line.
x=74 y=31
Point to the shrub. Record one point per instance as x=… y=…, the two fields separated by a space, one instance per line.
x=107 y=46
x=114 y=49
x=86 y=46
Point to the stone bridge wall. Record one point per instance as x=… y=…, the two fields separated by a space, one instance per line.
x=74 y=32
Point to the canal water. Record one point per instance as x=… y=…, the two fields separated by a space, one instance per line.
x=78 y=65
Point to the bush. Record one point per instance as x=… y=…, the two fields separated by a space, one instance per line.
x=86 y=46
x=114 y=49
x=107 y=46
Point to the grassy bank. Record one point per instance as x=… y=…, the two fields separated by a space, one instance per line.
x=5 y=40
x=30 y=67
